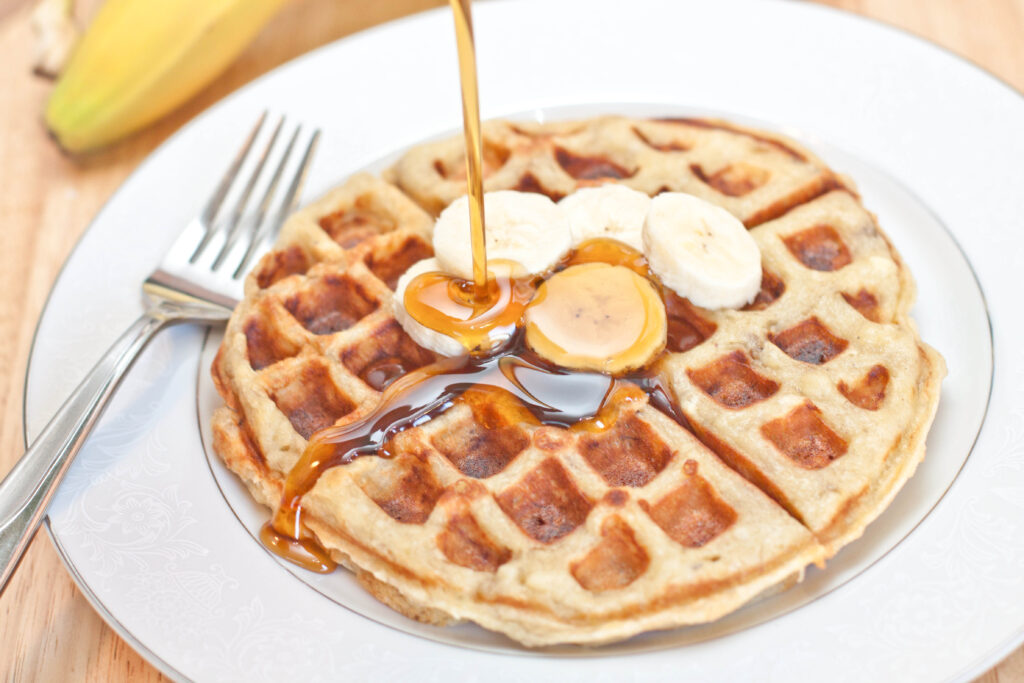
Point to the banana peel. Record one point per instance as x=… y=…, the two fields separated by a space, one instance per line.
x=141 y=59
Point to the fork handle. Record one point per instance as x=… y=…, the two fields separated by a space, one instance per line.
x=26 y=491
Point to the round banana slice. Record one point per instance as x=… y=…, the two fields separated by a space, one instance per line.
x=612 y=211
x=421 y=334
x=524 y=227
x=701 y=251
x=495 y=324
x=596 y=316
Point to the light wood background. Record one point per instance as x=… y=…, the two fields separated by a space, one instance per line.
x=48 y=632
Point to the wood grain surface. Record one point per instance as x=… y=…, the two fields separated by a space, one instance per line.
x=48 y=631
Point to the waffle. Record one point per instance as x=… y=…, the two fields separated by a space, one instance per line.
x=754 y=175
x=804 y=413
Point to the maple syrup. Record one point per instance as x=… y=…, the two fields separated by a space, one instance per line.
x=305 y=552
x=552 y=395
x=454 y=306
x=610 y=251
x=383 y=372
x=596 y=316
x=483 y=313
x=474 y=142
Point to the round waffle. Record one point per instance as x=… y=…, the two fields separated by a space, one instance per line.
x=804 y=412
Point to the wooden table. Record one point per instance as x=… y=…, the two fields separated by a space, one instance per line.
x=48 y=631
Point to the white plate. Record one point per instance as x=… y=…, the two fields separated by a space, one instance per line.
x=934 y=588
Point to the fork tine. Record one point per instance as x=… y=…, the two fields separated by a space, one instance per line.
x=262 y=229
x=213 y=205
x=268 y=196
x=291 y=198
x=236 y=213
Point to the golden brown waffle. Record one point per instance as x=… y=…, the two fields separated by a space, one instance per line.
x=821 y=393
x=757 y=176
x=815 y=400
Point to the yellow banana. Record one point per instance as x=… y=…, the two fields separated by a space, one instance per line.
x=142 y=58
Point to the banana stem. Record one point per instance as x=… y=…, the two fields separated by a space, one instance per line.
x=56 y=35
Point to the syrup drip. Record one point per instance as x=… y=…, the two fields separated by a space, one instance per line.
x=305 y=552
x=454 y=307
x=610 y=251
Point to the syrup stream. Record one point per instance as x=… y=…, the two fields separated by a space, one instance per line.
x=474 y=143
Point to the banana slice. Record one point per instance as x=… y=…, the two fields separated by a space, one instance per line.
x=613 y=211
x=421 y=334
x=701 y=251
x=492 y=329
x=524 y=227
x=596 y=316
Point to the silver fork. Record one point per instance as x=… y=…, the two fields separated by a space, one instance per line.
x=191 y=284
